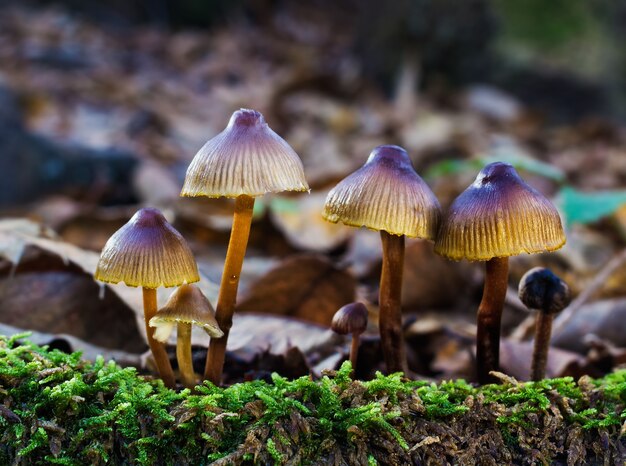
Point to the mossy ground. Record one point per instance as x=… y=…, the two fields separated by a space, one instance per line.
x=57 y=409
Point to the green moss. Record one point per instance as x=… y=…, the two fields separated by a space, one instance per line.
x=58 y=409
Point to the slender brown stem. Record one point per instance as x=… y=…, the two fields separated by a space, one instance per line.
x=228 y=288
x=390 y=317
x=354 y=351
x=183 y=355
x=543 y=329
x=158 y=350
x=489 y=316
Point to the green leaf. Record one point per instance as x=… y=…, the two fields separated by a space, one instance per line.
x=504 y=154
x=581 y=207
x=526 y=163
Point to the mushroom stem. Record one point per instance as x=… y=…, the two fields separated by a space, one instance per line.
x=183 y=354
x=158 y=350
x=489 y=316
x=543 y=329
x=228 y=287
x=354 y=350
x=390 y=317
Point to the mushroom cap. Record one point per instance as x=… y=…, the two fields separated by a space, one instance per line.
x=541 y=290
x=351 y=318
x=186 y=305
x=246 y=158
x=385 y=194
x=499 y=215
x=148 y=252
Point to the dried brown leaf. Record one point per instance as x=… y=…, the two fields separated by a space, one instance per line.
x=308 y=287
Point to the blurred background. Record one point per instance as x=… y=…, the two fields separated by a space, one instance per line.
x=104 y=104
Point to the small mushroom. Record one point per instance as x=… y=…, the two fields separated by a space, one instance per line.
x=497 y=216
x=351 y=318
x=542 y=291
x=148 y=252
x=387 y=195
x=244 y=161
x=187 y=305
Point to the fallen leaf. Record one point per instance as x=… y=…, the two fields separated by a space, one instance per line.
x=516 y=357
x=300 y=220
x=66 y=301
x=308 y=287
x=581 y=207
x=606 y=319
x=430 y=282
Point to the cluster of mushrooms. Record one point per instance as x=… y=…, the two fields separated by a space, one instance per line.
x=497 y=216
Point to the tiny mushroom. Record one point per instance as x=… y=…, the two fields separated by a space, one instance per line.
x=497 y=216
x=387 y=195
x=244 y=161
x=147 y=251
x=351 y=318
x=186 y=306
x=544 y=292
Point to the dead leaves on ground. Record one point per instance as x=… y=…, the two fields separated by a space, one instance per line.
x=308 y=287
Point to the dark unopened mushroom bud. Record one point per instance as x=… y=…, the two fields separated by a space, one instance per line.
x=351 y=318
x=540 y=289
x=544 y=292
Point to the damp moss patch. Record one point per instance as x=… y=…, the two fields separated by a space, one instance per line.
x=58 y=409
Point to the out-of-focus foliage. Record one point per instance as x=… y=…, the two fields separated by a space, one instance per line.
x=581 y=207
x=547 y=25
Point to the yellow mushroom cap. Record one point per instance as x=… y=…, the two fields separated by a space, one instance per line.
x=148 y=252
x=499 y=215
x=186 y=305
x=385 y=194
x=246 y=158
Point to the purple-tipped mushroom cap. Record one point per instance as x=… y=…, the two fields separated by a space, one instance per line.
x=148 y=252
x=499 y=215
x=385 y=194
x=247 y=158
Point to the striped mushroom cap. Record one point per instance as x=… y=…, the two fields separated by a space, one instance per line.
x=246 y=158
x=499 y=215
x=186 y=305
x=385 y=194
x=148 y=252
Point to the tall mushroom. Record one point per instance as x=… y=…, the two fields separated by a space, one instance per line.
x=496 y=217
x=387 y=195
x=244 y=161
x=148 y=252
x=187 y=305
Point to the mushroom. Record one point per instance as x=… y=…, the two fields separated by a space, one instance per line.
x=497 y=216
x=351 y=318
x=544 y=292
x=387 y=195
x=244 y=161
x=148 y=252
x=187 y=305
